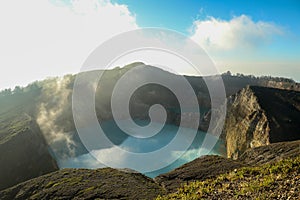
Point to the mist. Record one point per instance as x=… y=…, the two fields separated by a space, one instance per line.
x=54 y=116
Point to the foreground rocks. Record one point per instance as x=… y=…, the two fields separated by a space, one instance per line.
x=104 y=183
x=279 y=180
x=211 y=166
x=259 y=171
x=200 y=169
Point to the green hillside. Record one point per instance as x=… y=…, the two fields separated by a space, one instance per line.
x=279 y=180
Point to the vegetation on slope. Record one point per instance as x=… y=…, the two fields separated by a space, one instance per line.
x=279 y=180
x=200 y=169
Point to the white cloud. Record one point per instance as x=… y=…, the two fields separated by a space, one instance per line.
x=40 y=39
x=238 y=33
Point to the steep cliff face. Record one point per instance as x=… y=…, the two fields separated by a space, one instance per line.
x=246 y=124
x=23 y=152
x=259 y=116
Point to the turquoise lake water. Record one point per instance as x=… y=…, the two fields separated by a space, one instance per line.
x=145 y=145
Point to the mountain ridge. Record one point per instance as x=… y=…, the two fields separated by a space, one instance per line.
x=48 y=105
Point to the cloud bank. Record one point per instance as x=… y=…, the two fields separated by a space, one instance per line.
x=41 y=38
x=240 y=32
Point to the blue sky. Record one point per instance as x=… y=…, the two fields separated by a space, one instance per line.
x=179 y=15
x=44 y=38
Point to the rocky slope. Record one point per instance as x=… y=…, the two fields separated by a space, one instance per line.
x=211 y=166
x=24 y=155
x=211 y=177
x=200 y=169
x=265 y=172
x=23 y=150
x=271 y=153
x=104 y=183
x=278 y=180
x=259 y=116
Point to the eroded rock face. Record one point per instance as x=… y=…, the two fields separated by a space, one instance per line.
x=246 y=124
x=259 y=116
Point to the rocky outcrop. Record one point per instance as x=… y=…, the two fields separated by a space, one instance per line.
x=23 y=152
x=246 y=124
x=259 y=116
x=103 y=183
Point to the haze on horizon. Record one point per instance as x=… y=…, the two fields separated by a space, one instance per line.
x=41 y=38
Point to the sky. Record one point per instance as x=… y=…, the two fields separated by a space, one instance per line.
x=44 y=38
